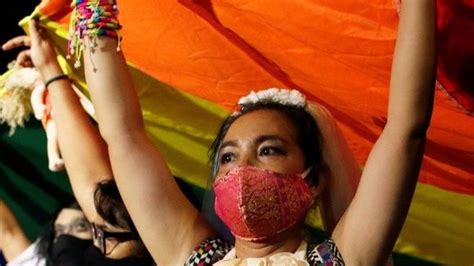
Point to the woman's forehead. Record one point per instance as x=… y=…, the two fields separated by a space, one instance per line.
x=263 y=122
x=69 y=215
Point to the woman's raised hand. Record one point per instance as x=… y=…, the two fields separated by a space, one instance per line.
x=24 y=57
x=41 y=53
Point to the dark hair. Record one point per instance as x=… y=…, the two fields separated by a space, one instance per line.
x=306 y=127
x=48 y=236
x=111 y=208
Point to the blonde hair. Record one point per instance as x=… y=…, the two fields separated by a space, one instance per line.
x=16 y=86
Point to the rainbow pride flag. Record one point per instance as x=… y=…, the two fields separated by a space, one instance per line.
x=192 y=60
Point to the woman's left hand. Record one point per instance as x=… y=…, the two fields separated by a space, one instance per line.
x=41 y=53
x=24 y=57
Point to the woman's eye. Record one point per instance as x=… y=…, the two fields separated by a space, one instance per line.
x=82 y=227
x=270 y=151
x=227 y=157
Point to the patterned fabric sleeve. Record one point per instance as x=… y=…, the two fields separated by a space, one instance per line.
x=324 y=254
x=209 y=252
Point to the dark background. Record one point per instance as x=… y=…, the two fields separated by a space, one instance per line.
x=12 y=13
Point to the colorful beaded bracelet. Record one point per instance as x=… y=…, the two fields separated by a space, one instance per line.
x=92 y=19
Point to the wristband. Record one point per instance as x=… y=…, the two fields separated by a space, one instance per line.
x=92 y=19
x=55 y=78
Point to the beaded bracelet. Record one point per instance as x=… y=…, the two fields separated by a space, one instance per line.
x=91 y=19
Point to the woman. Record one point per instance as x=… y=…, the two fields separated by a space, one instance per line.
x=85 y=155
x=67 y=227
x=264 y=142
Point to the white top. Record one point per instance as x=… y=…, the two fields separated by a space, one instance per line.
x=280 y=259
x=29 y=257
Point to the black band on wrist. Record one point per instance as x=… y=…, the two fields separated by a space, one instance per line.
x=56 y=78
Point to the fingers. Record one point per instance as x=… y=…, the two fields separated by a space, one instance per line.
x=34 y=30
x=17 y=42
x=24 y=59
x=37 y=33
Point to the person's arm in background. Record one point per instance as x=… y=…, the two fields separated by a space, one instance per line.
x=82 y=148
x=368 y=230
x=13 y=240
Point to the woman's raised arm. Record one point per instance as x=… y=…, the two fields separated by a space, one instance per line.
x=13 y=240
x=368 y=230
x=167 y=222
x=82 y=148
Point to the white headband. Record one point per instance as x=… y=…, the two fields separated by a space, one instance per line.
x=273 y=95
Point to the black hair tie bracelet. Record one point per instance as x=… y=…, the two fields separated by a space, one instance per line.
x=56 y=78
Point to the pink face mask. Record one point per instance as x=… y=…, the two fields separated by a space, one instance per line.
x=257 y=204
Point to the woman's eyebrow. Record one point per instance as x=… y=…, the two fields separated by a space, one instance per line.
x=258 y=140
x=79 y=220
x=264 y=138
x=231 y=143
